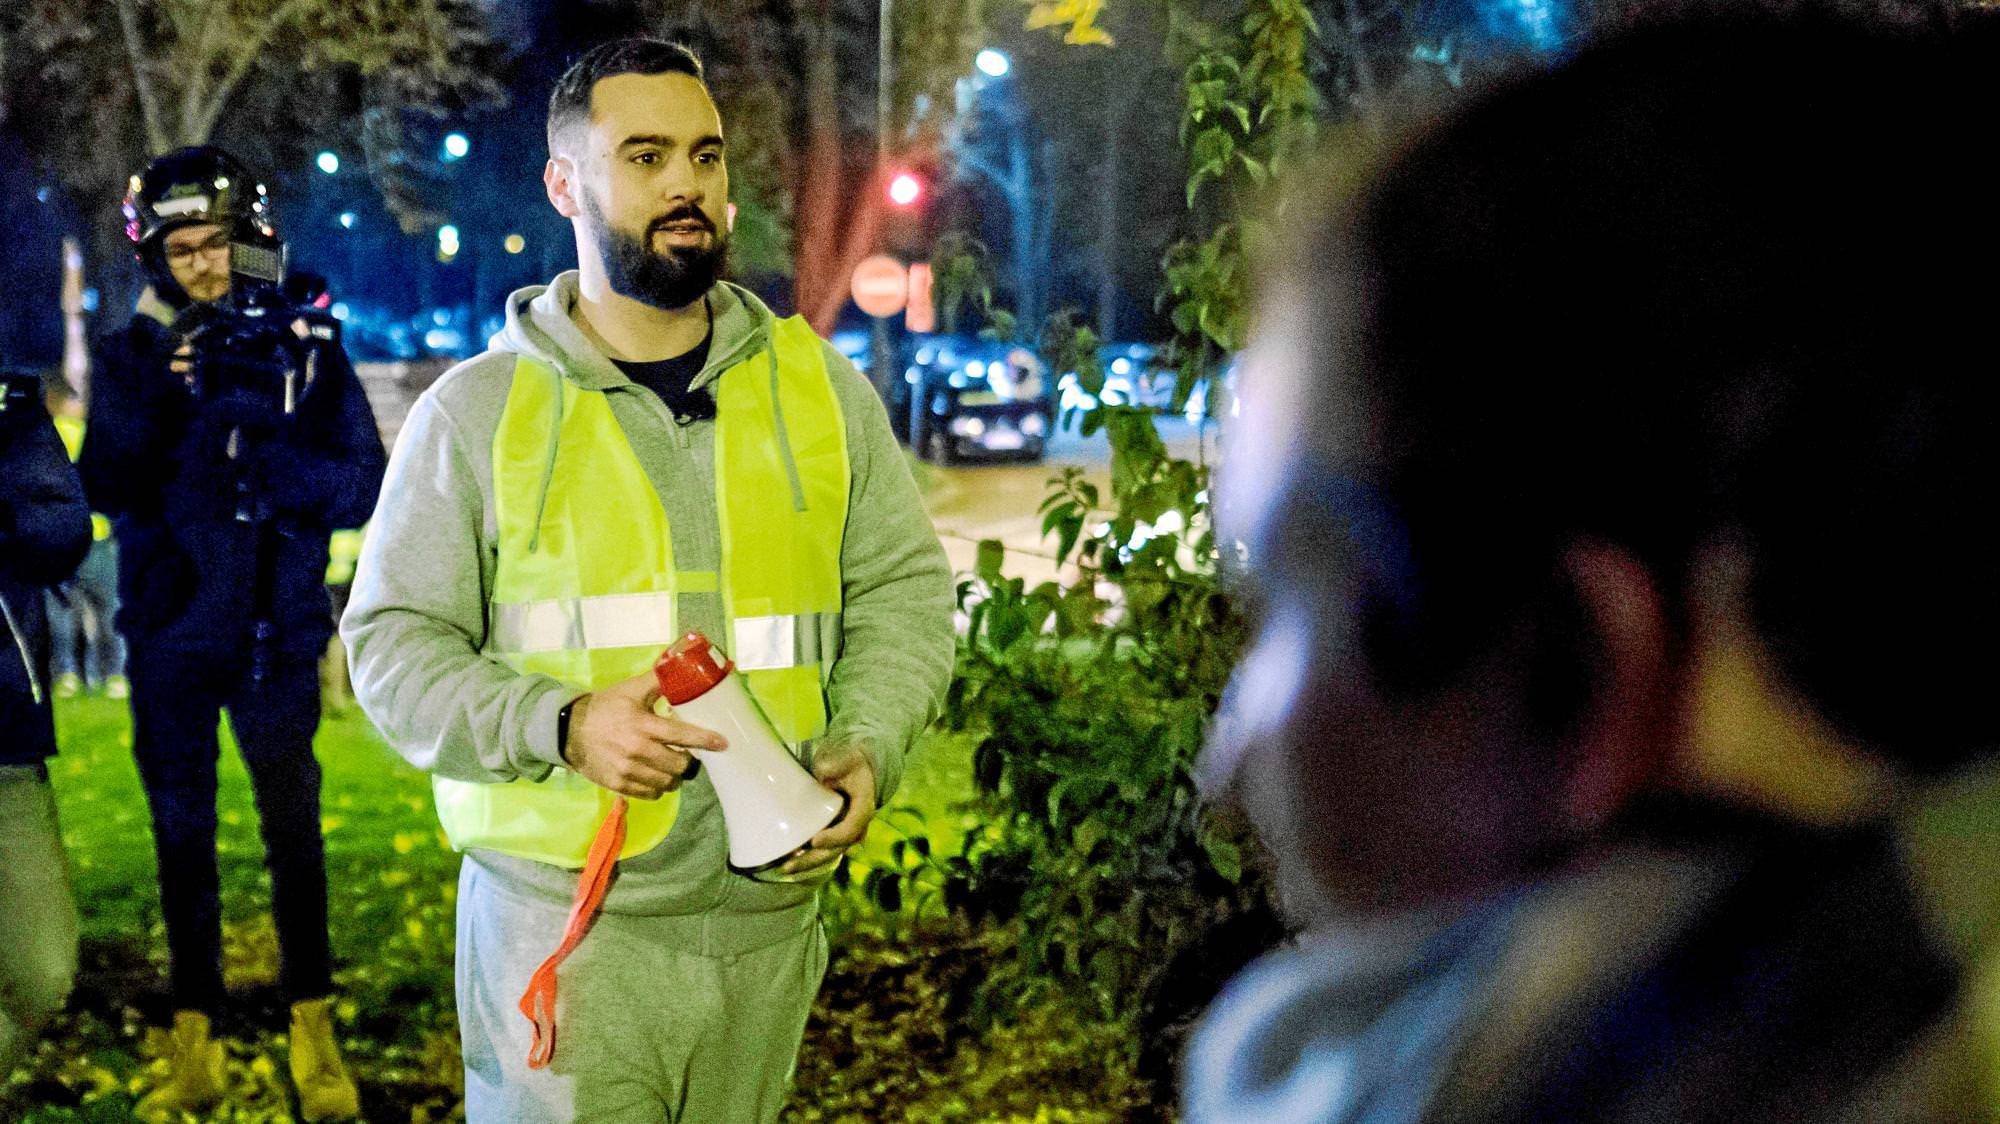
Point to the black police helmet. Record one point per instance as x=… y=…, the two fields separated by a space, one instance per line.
x=194 y=185
x=202 y=184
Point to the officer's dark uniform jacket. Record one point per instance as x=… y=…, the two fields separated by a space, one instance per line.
x=44 y=532
x=154 y=460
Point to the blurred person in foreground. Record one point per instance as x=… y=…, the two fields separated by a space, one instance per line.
x=1613 y=474
x=645 y=450
x=227 y=434
x=44 y=533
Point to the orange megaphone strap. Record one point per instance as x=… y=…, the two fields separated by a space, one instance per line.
x=539 y=1001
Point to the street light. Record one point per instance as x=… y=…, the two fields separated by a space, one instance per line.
x=456 y=145
x=328 y=162
x=347 y=220
x=905 y=189
x=992 y=63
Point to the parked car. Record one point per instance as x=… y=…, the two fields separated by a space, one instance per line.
x=976 y=400
x=1135 y=374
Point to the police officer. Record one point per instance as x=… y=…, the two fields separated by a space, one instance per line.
x=44 y=531
x=228 y=434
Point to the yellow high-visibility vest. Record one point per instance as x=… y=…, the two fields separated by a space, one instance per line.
x=70 y=429
x=587 y=589
x=343 y=550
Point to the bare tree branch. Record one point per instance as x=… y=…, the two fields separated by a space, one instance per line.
x=142 y=81
x=204 y=53
x=246 y=57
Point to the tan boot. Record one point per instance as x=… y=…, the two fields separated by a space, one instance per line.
x=326 y=1091
x=194 y=1071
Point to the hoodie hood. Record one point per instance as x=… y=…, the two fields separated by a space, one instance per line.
x=541 y=324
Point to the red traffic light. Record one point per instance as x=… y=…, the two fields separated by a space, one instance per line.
x=905 y=189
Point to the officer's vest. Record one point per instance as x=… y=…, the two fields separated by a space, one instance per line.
x=587 y=588
x=70 y=429
x=343 y=550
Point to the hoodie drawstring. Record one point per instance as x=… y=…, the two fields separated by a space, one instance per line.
x=778 y=422
x=549 y=467
x=21 y=645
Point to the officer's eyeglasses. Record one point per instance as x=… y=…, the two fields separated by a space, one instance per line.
x=216 y=248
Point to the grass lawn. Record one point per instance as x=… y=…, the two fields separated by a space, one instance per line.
x=392 y=883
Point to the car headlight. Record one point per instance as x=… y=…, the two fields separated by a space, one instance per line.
x=1032 y=425
x=968 y=427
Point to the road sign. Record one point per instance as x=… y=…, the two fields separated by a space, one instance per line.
x=881 y=285
x=922 y=315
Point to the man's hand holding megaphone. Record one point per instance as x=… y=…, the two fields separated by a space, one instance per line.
x=616 y=741
x=844 y=768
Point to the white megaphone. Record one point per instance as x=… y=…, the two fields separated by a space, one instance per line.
x=770 y=805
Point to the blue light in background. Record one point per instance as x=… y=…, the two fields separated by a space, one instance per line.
x=328 y=162
x=1537 y=24
x=1537 y=20
x=347 y=220
x=992 y=63
x=456 y=145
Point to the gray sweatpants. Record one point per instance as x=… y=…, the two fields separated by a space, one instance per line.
x=646 y=1030
x=37 y=917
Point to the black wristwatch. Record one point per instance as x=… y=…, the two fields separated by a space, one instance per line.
x=562 y=729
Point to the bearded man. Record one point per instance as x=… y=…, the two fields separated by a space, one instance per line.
x=645 y=450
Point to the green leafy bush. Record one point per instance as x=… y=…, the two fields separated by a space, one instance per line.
x=1090 y=699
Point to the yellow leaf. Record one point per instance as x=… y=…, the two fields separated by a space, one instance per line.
x=1080 y=15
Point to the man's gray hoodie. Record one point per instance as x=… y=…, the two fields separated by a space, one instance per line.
x=417 y=618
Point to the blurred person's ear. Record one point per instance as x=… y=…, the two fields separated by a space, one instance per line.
x=1623 y=735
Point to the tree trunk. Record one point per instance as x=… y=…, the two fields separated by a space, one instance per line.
x=1107 y=215
x=839 y=212
x=6 y=96
x=1029 y=281
x=1366 y=84
x=157 y=141
x=76 y=353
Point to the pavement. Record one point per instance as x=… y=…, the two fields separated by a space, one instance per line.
x=972 y=502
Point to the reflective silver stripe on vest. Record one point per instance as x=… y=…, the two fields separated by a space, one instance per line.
x=630 y=620
x=768 y=643
x=611 y=620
